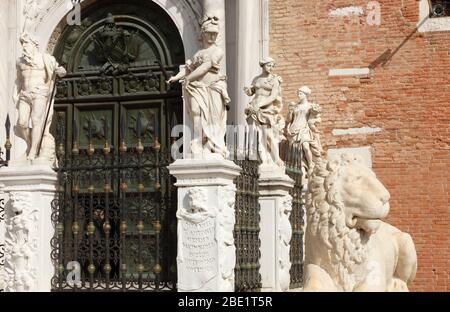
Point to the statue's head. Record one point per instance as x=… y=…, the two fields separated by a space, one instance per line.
x=267 y=64
x=19 y=202
x=210 y=29
x=303 y=93
x=29 y=44
x=198 y=199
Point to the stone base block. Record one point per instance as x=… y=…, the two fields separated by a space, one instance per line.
x=206 y=255
x=29 y=192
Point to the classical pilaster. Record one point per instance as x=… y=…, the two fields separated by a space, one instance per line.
x=29 y=230
x=247 y=44
x=276 y=233
x=206 y=251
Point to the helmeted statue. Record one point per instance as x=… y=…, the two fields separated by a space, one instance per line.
x=264 y=111
x=36 y=75
x=205 y=93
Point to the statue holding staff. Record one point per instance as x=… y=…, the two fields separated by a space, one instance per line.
x=205 y=93
x=36 y=76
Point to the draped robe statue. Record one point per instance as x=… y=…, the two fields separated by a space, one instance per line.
x=205 y=94
x=264 y=112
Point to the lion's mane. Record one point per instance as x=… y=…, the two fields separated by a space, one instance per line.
x=326 y=221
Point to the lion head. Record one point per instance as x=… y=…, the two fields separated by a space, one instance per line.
x=345 y=205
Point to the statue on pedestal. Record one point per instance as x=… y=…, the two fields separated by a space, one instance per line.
x=302 y=129
x=36 y=75
x=264 y=111
x=205 y=93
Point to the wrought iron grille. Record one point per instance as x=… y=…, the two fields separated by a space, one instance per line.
x=114 y=215
x=292 y=155
x=246 y=231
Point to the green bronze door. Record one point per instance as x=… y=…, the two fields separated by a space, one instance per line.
x=115 y=212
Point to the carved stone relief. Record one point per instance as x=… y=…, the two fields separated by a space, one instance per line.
x=225 y=237
x=21 y=243
x=285 y=235
x=197 y=257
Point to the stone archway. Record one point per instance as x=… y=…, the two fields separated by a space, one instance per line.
x=184 y=14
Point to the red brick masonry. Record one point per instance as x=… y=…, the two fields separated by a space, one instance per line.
x=408 y=98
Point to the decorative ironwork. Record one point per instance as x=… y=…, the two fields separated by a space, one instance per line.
x=292 y=155
x=439 y=8
x=246 y=230
x=113 y=46
x=115 y=214
x=8 y=145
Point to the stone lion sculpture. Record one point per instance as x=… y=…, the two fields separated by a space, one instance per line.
x=348 y=246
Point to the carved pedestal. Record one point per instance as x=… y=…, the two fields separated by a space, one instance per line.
x=276 y=230
x=28 y=227
x=206 y=251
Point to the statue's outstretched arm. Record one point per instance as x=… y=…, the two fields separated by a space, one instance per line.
x=179 y=76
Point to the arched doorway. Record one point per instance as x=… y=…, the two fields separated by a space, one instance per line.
x=115 y=214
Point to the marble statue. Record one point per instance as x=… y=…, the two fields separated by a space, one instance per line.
x=264 y=112
x=302 y=131
x=347 y=245
x=206 y=95
x=36 y=75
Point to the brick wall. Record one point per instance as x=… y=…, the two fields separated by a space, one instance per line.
x=408 y=98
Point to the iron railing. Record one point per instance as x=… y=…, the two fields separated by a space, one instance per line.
x=246 y=231
x=292 y=155
x=114 y=215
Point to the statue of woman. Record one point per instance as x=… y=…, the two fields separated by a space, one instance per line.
x=302 y=131
x=205 y=93
x=264 y=112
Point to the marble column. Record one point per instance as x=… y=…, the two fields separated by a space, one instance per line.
x=276 y=230
x=247 y=44
x=206 y=255
x=29 y=230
